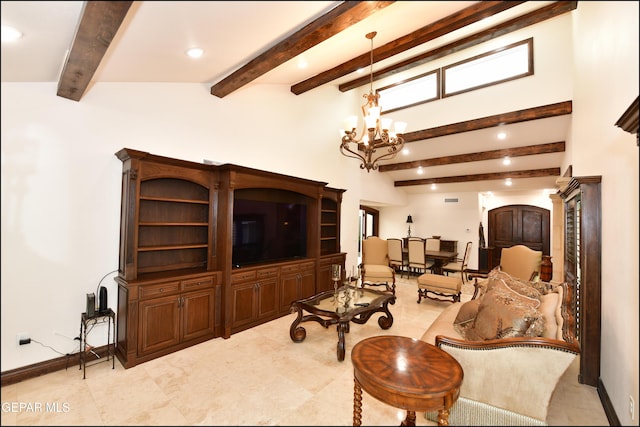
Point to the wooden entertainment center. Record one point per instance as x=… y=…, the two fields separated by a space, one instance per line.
x=177 y=284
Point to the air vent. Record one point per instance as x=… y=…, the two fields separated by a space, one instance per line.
x=452 y=200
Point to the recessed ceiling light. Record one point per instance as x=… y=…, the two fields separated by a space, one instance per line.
x=506 y=160
x=10 y=34
x=508 y=182
x=502 y=135
x=405 y=151
x=434 y=186
x=195 y=52
x=302 y=63
x=419 y=171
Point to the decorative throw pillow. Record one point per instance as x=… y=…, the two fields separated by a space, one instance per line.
x=466 y=316
x=504 y=313
x=519 y=286
x=543 y=287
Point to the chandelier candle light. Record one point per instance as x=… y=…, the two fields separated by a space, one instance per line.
x=375 y=133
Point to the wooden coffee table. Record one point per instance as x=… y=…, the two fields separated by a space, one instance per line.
x=352 y=305
x=405 y=373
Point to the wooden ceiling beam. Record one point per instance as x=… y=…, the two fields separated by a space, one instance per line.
x=532 y=173
x=534 y=113
x=547 y=12
x=529 y=150
x=337 y=19
x=99 y=23
x=474 y=13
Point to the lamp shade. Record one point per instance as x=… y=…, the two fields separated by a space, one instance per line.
x=409 y=220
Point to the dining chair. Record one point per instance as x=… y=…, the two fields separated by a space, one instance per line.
x=417 y=257
x=375 y=268
x=460 y=264
x=432 y=244
x=397 y=259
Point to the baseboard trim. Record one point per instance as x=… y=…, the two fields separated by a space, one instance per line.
x=46 y=367
x=606 y=404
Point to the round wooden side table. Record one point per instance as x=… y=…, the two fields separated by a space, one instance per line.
x=405 y=373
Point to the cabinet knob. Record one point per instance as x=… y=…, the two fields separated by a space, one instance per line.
x=161 y=290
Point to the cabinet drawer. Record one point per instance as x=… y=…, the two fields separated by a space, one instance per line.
x=308 y=266
x=243 y=276
x=267 y=273
x=197 y=283
x=152 y=291
x=290 y=268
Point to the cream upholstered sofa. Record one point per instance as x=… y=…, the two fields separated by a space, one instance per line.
x=508 y=380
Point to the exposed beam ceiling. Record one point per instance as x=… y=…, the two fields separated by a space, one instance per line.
x=329 y=24
x=550 y=11
x=535 y=113
x=529 y=150
x=455 y=21
x=481 y=177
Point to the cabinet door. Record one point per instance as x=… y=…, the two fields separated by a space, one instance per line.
x=159 y=323
x=289 y=289
x=244 y=303
x=307 y=282
x=197 y=314
x=267 y=297
x=324 y=282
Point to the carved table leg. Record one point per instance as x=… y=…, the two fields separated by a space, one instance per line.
x=297 y=334
x=443 y=417
x=357 y=403
x=342 y=328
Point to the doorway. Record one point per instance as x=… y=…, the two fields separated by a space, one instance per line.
x=518 y=225
x=368 y=226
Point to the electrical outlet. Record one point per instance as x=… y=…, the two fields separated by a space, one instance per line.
x=22 y=337
x=632 y=408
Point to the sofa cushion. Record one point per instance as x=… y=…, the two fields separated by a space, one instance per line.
x=443 y=325
x=549 y=303
x=503 y=313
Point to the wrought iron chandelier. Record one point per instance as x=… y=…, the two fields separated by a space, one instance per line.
x=376 y=134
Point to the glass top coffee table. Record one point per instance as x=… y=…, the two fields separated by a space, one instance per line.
x=347 y=304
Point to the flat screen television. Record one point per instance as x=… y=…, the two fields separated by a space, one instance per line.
x=268 y=225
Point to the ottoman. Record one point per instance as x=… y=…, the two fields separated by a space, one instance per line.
x=442 y=286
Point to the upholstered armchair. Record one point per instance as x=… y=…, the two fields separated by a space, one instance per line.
x=521 y=262
x=375 y=267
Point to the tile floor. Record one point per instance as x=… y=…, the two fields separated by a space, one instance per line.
x=256 y=377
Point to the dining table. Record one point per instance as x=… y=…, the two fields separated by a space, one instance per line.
x=440 y=258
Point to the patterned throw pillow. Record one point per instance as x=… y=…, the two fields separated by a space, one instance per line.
x=543 y=287
x=519 y=286
x=504 y=313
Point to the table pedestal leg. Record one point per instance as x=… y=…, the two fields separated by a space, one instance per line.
x=410 y=420
x=357 y=403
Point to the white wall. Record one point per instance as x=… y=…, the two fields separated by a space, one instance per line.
x=61 y=182
x=606 y=82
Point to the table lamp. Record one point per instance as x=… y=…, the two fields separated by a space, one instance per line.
x=409 y=221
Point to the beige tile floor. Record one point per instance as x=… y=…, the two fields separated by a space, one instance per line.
x=256 y=377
